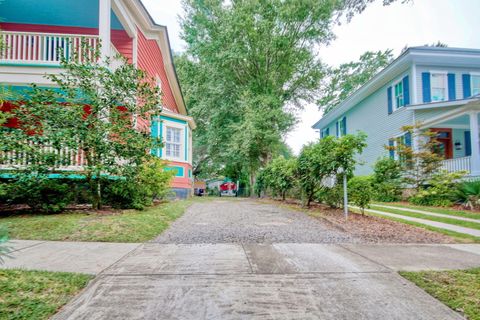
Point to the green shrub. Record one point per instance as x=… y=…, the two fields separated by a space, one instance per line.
x=441 y=191
x=333 y=197
x=387 y=180
x=468 y=194
x=39 y=193
x=151 y=182
x=360 y=191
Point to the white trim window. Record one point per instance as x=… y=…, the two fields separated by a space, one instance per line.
x=398 y=91
x=173 y=143
x=438 y=84
x=475 y=84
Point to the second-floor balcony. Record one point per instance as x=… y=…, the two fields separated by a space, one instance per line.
x=26 y=48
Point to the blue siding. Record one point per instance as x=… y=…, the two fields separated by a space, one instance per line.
x=467 y=90
x=427 y=97
x=451 y=87
x=66 y=13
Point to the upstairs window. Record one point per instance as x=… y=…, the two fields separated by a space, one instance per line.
x=475 y=79
x=439 y=86
x=325 y=132
x=398 y=91
x=341 y=127
x=173 y=142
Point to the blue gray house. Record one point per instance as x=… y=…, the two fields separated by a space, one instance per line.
x=436 y=87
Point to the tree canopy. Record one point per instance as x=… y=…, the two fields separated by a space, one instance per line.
x=247 y=67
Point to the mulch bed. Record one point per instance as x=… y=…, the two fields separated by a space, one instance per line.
x=370 y=229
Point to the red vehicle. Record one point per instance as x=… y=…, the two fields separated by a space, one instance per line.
x=228 y=189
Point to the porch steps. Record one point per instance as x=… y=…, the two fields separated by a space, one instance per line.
x=440 y=225
x=427 y=213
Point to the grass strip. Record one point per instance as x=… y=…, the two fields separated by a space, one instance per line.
x=448 y=211
x=458 y=289
x=452 y=221
x=37 y=294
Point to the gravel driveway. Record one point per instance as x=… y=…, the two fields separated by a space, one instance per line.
x=248 y=221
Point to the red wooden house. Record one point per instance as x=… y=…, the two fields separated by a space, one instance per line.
x=33 y=30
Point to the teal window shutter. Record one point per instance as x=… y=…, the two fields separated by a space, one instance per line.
x=389 y=100
x=153 y=134
x=406 y=91
x=337 y=129
x=467 y=90
x=391 y=152
x=426 y=90
x=408 y=139
x=344 y=126
x=452 y=95
x=468 y=144
x=327 y=132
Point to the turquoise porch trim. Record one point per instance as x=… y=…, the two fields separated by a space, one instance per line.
x=73 y=176
x=186 y=143
x=173 y=119
x=179 y=171
x=36 y=65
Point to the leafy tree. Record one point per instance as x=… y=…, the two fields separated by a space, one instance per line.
x=94 y=112
x=327 y=158
x=420 y=163
x=349 y=77
x=387 y=179
x=279 y=176
x=360 y=192
x=254 y=81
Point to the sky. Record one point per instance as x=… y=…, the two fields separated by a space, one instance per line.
x=453 y=22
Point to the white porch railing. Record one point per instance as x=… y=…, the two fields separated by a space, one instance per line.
x=44 y=48
x=457 y=164
x=66 y=158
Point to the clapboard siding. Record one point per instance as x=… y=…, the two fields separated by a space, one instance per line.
x=150 y=59
x=371 y=116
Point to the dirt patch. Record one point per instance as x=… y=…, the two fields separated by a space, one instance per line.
x=371 y=229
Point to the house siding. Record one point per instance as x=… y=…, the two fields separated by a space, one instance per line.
x=371 y=117
x=150 y=60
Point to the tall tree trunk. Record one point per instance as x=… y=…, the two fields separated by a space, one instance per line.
x=252 y=183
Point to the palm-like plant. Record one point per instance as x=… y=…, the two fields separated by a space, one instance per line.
x=469 y=194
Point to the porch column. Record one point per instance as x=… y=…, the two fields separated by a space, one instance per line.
x=474 y=137
x=105 y=7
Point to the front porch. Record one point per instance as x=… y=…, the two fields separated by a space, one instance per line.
x=457 y=130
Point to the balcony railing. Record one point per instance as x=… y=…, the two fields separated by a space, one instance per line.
x=66 y=158
x=45 y=48
x=457 y=164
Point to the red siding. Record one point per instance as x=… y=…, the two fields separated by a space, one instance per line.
x=150 y=60
x=119 y=38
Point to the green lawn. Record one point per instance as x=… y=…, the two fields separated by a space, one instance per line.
x=460 y=237
x=127 y=226
x=460 y=290
x=37 y=294
x=467 y=224
x=448 y=211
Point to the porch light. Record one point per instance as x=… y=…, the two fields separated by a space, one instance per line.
x=458 y=145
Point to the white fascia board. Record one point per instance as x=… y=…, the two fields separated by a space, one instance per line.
x=178 y=116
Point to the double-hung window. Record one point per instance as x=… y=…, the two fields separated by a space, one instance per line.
x=173 y=142
x=475 y=79
x=439 y=86
x=398 y=90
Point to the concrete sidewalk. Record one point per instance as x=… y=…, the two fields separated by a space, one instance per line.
x=95 y=257
x=269 y=281
x=427 y=213
x=80 y=257
x=440 y=225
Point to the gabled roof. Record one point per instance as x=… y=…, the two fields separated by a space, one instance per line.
x=423 y=55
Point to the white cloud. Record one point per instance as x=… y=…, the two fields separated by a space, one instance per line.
x=422 y=22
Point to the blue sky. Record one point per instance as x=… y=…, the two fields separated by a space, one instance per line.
x=454 y=22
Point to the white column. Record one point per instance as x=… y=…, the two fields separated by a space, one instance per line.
x=474 y=137
x=105 y=8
